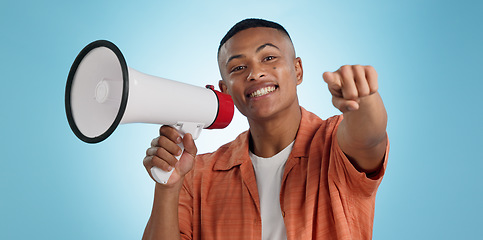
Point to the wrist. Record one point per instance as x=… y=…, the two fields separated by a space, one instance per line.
x=169 y=189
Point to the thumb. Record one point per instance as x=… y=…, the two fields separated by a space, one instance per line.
x=185 y=163
x=345 y=105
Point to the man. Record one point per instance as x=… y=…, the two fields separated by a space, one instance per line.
x=291 y=175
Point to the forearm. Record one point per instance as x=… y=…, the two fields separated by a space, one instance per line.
x=362 y=134
x=164 y=223
x=366 y=126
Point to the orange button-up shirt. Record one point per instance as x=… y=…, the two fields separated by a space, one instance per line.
x=322 y=195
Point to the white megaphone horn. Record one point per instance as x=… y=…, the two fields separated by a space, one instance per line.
x=103 y=92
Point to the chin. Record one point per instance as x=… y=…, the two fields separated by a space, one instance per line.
x=263 y=113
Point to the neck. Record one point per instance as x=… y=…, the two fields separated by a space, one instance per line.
x=269 y=137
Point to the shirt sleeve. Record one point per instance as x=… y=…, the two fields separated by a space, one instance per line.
x=343 y=172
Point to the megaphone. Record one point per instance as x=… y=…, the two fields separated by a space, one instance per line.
x=102 y=92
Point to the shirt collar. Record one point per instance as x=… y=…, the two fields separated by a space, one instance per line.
x=309 y=124
x=233 y=154
x=236 y=152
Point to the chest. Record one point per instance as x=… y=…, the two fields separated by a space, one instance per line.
x=231 y=201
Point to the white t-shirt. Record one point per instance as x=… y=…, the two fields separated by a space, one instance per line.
x=269 y=173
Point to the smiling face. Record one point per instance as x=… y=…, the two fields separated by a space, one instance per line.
x=261 y=73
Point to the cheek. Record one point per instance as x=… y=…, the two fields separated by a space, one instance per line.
x=235 y=91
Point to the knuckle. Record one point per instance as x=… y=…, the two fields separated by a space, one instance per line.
x=164 y=166
x=155 y=160
x=151 y=151
x=193 y=152
x=335 y=101
x=159 y=151
x=163 y=129
x=167 y=131
x=373 y=89
x=371 y=70
x=167 y=157
x=160 y=163
x=163 y=141
x=349 y=92
x=155 y=141
x=369 y=67
x=169 y=146
x=346 y=69
x=364 y=92
x=358 y=68
x=351 y=95
x=147 y=160
x=192 y=147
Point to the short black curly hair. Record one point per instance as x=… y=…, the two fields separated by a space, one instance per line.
x=251 y=23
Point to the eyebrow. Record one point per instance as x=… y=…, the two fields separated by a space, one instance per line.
x=258 y=50
x=265 y=45
x=234 y=57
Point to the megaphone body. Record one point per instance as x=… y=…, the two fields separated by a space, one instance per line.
x=103 y=92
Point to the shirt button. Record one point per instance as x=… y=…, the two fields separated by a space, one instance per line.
x=283 y=213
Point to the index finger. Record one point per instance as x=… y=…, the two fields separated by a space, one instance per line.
x=170 y=133
x=330 y=78
x=333 y=83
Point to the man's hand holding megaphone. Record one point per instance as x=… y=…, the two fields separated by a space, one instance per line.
x=163 y=152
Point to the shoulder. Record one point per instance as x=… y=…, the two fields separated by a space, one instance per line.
x=314 y=133
x=314 y=122
x=312 y=125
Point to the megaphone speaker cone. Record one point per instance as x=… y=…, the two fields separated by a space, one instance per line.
x=96 y=93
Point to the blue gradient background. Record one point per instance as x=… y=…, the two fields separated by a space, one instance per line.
x=428 y=55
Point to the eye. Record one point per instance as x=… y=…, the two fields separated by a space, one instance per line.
x=237 y=68
x=268 y=58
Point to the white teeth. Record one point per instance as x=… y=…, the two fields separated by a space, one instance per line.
x=262 y=91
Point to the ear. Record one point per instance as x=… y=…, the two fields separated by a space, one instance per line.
x=223 y=87
x=299 y=71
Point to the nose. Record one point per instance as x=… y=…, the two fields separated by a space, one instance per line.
x=256 y=73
